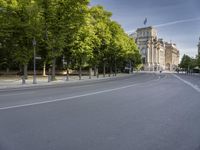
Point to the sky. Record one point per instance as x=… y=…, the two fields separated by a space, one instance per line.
x=177 y=21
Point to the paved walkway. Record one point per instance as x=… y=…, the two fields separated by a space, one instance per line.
x=16 y=81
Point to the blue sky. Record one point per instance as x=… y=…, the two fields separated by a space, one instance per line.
x=175 y=20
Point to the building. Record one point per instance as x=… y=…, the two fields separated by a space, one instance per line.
x=171 y=56
x=199 y=47
x=162 y=53
x=153 y=50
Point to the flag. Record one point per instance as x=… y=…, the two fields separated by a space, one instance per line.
x=145 y=21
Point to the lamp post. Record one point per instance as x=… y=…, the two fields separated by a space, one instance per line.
x=34 y=62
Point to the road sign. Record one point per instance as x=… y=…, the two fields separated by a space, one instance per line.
x=38 y=58
x=64 y=63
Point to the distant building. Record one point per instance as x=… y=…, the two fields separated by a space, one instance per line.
x=162 y=53
x=171 y=56
x=199 y=47
x=153 y=50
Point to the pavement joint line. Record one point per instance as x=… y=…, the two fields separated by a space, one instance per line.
x=74 y=97
x=17 y=94
x=195 y=87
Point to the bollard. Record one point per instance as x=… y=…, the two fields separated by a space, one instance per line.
x=23 y=80
x=49 y=78
x=67 y=78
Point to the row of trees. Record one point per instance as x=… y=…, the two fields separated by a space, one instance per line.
x=67 y=31
x=189 y=63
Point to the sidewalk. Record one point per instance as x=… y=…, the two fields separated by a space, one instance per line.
x=157 y=72
x=16 y=82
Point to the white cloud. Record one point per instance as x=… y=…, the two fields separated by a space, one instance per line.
x=177 y=22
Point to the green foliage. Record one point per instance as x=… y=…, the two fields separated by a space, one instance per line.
x=100 y=20
x=187 y=62
x=18 y=29
x=85 y=36
x=198 y=60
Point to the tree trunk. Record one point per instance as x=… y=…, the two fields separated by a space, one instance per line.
x=53 y=77
x=7 y=70
x=104 y=69
x=67 y=75
x=80 y=72
x=95 y=70
x=90 y=73
x=49 y=75
x=25 y=71
x=21 y=72
x=110 y=71
x=130 y=66
x=44 y=69
x=115 y=70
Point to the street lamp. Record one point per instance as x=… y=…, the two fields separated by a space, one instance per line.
x=34 y=62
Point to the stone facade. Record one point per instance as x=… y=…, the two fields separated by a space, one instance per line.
x=153 y=50
x=171 y=56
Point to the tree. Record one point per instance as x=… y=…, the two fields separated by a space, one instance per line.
x=86 y=37
x=116 y=45
x=6 y=15
x=187 y=63
x=101 y=19
x=77 y=26
x=53 y=21
x=198 y=60
x=20 y=29
x=83 y=45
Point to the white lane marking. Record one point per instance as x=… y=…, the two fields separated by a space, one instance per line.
x=67 y=98
x=188 y=83
x=74 y=97
x=17 y=94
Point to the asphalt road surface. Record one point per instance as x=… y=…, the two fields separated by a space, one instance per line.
x=139 y=112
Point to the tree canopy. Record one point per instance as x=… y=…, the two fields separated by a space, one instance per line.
x=187 y=62
x=70 y=29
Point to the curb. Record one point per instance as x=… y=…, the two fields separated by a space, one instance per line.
x=60 y=84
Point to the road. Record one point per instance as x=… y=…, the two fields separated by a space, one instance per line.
x=139 y=112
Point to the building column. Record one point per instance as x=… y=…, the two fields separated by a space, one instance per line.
x=158 y=60
x=152 y=54
x=148 y=58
